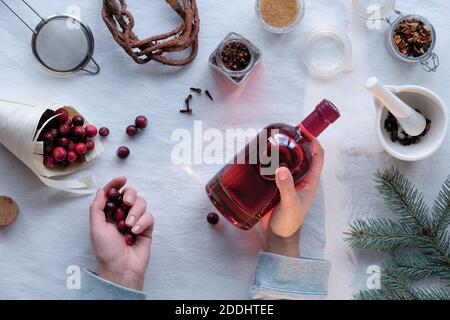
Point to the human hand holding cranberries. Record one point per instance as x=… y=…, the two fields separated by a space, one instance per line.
x=121 y=233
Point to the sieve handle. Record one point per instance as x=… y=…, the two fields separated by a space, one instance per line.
x=20 y=18
x=94 y=71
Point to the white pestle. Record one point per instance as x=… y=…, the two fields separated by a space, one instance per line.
x=411 y=121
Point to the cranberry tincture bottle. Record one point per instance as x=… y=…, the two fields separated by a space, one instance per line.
x=245 y=190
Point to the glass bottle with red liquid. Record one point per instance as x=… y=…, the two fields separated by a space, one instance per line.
x=245 y=189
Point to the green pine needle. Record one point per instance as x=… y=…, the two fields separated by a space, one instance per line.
x=422 y=231
x=441 y=209
x=403 y=198
x=381 y=234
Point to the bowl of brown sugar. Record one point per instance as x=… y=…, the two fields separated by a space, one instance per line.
x=280 y=16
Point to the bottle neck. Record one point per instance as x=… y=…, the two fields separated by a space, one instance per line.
x=323 y=115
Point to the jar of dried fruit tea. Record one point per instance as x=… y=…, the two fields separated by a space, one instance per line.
x=235 y=58
x=410 y=38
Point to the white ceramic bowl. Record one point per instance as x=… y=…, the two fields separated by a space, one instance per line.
x=432 y=107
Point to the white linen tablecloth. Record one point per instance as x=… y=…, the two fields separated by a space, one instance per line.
x=191 y=259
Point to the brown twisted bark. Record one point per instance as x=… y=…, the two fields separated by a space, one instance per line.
x=120 y=23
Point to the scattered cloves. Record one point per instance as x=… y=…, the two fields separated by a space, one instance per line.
x=198 y=90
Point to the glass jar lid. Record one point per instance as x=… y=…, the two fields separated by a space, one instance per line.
x=327 y=52
x=373 y=9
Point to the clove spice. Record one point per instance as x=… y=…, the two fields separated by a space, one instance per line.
x=198 y=90
x=397 y=134
x=209 y=95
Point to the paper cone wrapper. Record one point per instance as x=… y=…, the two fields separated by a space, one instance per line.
x=18 y=133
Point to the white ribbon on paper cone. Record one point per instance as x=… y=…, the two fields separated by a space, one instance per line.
x=18 y=133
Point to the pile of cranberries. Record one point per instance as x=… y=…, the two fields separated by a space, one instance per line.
x=67 y=141
x=116 y=212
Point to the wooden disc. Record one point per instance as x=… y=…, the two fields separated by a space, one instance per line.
x=8 y=210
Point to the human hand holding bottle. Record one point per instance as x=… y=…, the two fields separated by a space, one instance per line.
x=118 y=262
x=282 y=227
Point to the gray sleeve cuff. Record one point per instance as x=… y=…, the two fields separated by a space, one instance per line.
x=279 y=277
x=95 y=288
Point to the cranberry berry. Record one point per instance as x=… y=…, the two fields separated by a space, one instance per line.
x=141 y=122
x=81 y=158
x=104 y=132
x=72 y=156
x=123 y=152
x=81 y=148
x=48 y=148
x=71 y=145
x=90 y=145
x=79 y=132
x=213 y=218
x=129 y=239
x=113 y=194
x=132 y=131
x=49 y=137
x=91 y=131
x=64 y=130
x=59 y=154
x=49 y=162
x=63 y=142
x=122 y=226
x=78 y=120
x=120 y=214
x=63 y=115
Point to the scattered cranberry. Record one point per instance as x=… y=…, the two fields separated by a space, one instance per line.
x=90 y=145
x=63 y=142
x=64 y=130
x=49 y=137
x=113 y=194
x=104 y=132
x=81 y=148
x=59 y=154
x=49 y=162
x=213 y=218
x=63 y=115
x=141 y=122
x=68 y=122
x=78 y=120
x=129 y=239
x=72 y=156
x=120 y=214
x=122 y=226
x=132 y=131
x=123 y=152
x=91 y=131
x=79 y=132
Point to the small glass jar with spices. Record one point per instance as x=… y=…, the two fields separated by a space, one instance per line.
x=410 y=38
x=235 y=58
x=280 y=16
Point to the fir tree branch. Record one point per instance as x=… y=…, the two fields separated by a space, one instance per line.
x=417 y=267
x=441 y=209
x=381 y=234
x=433 y=293
x=403 y=198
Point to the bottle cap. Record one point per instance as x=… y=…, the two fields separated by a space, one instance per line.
x=325 y=114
